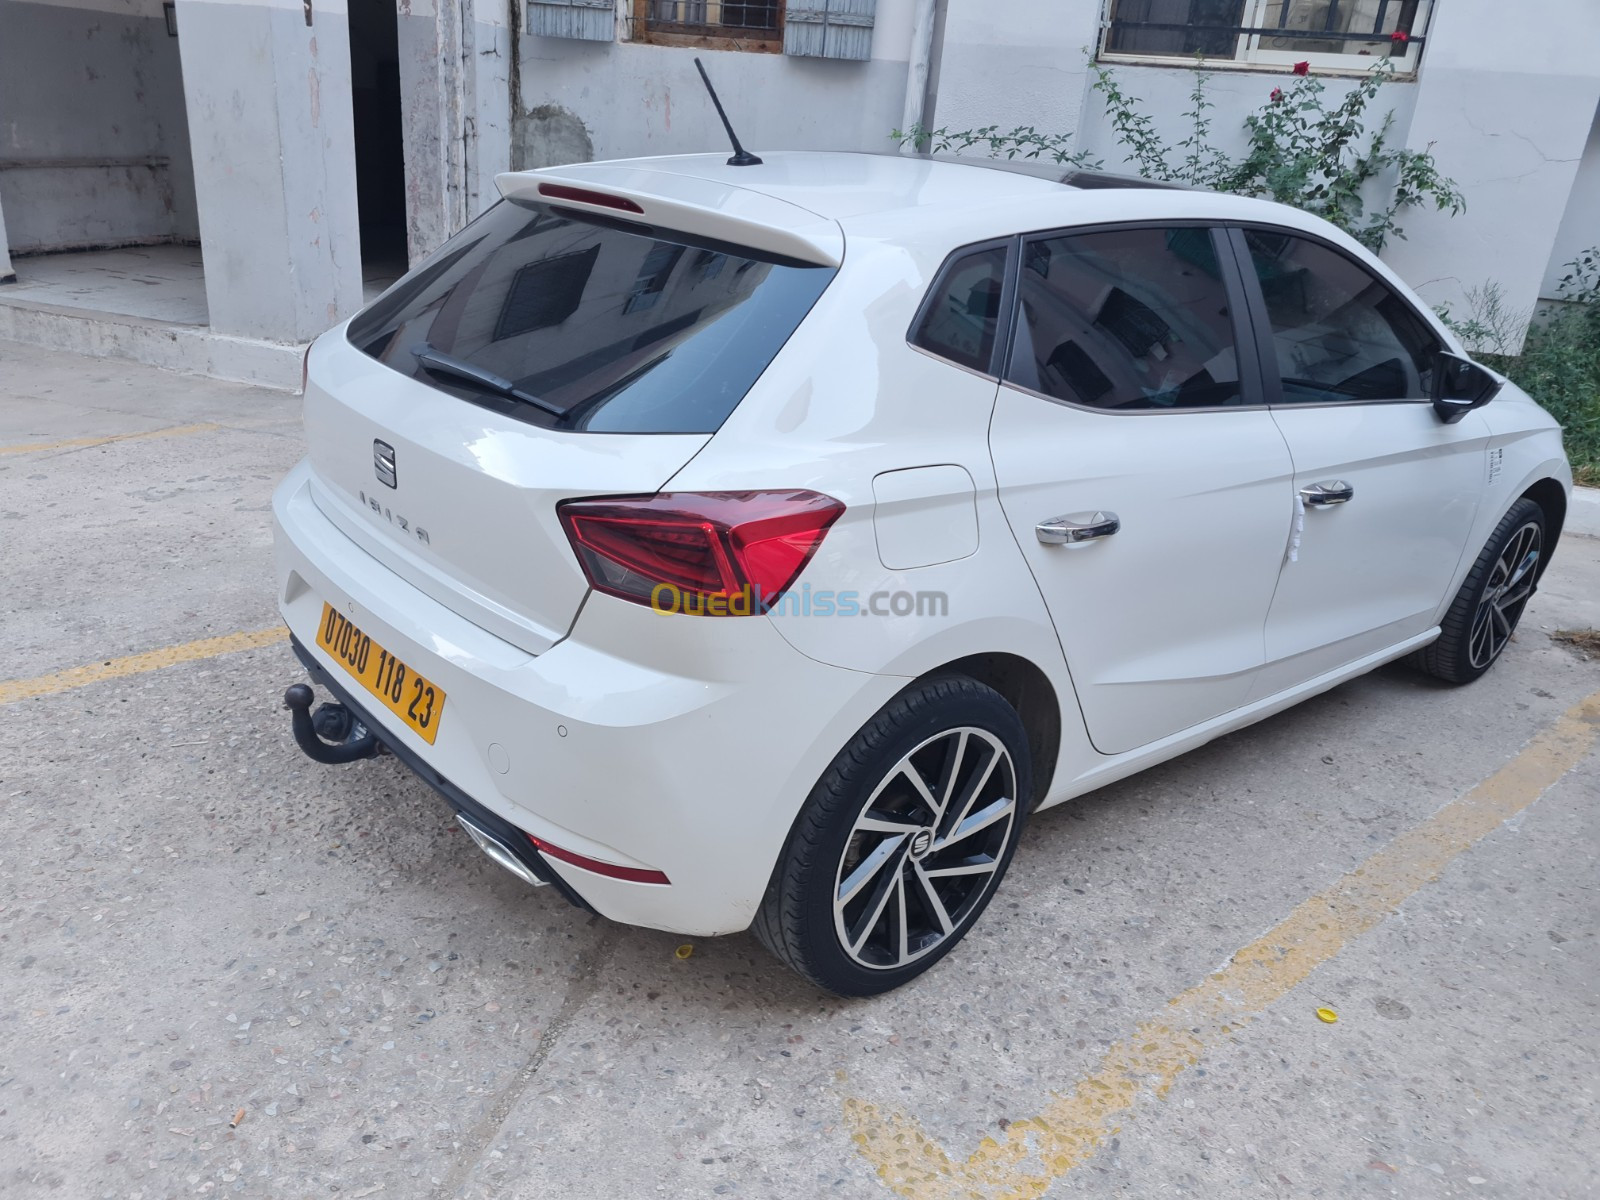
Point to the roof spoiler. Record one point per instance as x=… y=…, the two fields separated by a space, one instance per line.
x=704 y=208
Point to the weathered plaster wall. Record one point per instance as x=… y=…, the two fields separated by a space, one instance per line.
x=270 y=117
x=1021 y=62
x=94 y=146
x=618 y=99
x=1508 y=118
x=456 y=97
x=1580 y=228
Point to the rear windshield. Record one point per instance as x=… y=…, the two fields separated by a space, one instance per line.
x=578 y=322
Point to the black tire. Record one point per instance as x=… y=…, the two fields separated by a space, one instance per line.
x=942 y=727
x=1485 y=612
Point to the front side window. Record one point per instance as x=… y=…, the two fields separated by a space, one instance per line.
x=1338 y=332
x=1339 y=35
x=586 y=323
x=1127 y=320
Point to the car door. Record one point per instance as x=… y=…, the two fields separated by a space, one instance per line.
x=1140 y=472
x=1387 y=490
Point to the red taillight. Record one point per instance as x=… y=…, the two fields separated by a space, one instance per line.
x=723 y=554
x=631 y=874
x=560 y=191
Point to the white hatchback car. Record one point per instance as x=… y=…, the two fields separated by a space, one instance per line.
x=759 y=545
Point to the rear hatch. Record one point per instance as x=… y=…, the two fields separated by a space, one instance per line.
x=575 y=340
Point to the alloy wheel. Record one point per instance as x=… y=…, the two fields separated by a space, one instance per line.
x=925 y=848
x=1506 y=594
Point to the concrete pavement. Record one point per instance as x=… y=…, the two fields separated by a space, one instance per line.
x=196 y=922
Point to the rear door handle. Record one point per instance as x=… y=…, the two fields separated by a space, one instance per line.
x=1326 y=495
x=1078 y=527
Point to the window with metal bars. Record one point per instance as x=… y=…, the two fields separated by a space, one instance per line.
x=727 y=24
x=715 y=16
x=1329 y=35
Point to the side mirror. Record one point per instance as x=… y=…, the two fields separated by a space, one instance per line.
x=1459 y=387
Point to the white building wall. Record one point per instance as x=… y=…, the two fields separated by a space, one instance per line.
x=1506 y=116
x=1019 y=62
x=594 y=100
x=94 y=146
x=1506 y=101
x=1580 y=228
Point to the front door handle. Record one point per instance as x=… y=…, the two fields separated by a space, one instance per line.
x=1078 y=527
x=1326 y=495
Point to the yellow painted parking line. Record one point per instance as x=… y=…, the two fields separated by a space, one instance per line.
x=136 y=664
x=1035 y=1152
x=80 y=443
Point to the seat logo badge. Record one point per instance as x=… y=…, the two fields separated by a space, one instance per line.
x=383 y=462
x=921 y=843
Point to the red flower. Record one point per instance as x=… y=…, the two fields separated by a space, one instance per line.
x=1277 y=94
x=1400 y=36
x=1303 y=68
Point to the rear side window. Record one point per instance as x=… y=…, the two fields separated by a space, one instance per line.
x=961 y=316
x=1128 y=319
x=1338 y=332
x=584 y=323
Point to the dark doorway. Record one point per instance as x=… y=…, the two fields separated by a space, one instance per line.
x=380 y=147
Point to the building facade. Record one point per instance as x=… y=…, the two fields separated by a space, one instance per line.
x=280 y=159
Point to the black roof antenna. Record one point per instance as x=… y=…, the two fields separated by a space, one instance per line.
x=741 y=156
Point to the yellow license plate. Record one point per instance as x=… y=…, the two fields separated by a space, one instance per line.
x=415 y=700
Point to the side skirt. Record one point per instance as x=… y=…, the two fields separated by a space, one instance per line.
x=1120 y=766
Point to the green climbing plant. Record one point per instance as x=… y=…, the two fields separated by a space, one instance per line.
x=1302 y=149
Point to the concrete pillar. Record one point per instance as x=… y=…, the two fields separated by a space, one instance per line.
x=456 y=97
x=1507 y=113
x=7 y=275
x=267 y=89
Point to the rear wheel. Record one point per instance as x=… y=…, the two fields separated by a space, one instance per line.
x=1486 y=610
x=903 y=840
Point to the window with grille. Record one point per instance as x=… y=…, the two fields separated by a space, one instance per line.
x=804 y=28
x=1332 y=35
x=715 y=16
x=734 y=24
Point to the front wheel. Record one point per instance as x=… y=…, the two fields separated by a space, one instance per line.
x=1486 y=610
x=903 y=840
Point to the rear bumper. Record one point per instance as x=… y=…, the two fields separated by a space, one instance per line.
x=683 y=745
x=464 y=804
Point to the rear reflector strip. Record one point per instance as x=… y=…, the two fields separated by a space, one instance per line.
x=631 y=874
x=561 y=191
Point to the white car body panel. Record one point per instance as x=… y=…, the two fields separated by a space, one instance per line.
x=691 y=204
x=1371 y=572
x=482 y=474
x=688 y=745
x=1162 y=623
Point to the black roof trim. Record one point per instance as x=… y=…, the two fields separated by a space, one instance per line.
x=1090 y=180
x=1069 y=176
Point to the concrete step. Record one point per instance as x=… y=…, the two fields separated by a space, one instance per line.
x=191 y=348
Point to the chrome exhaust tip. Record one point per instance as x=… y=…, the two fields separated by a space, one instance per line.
x=499 y=851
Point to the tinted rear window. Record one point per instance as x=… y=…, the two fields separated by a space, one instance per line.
x=623 y=328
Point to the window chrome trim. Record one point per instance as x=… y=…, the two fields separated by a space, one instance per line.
x=1138 y=412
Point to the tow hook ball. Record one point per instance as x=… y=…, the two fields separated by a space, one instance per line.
x=332 y=734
